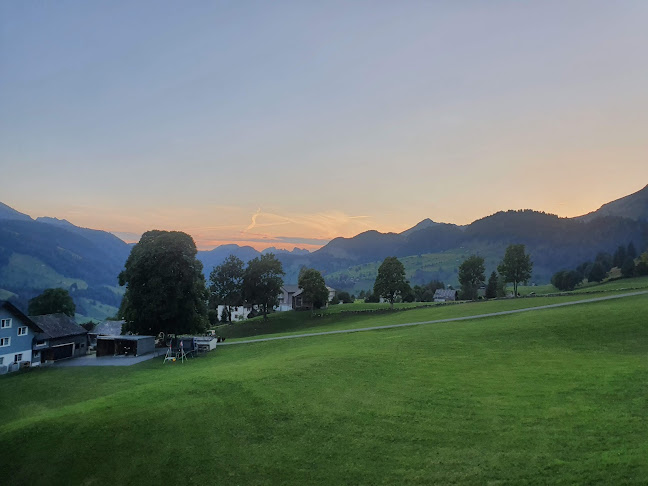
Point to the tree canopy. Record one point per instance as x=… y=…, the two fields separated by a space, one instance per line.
x=52 y=301
x=390 y=281
x=262 y=282
x=314 y=291
x=471 y=276
x=566 y=279
x=491 y=287
x=165 y=286
x=596 y=273
x=516 y=266
x=227 y=283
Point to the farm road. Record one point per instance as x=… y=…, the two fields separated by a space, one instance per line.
x=438 y=321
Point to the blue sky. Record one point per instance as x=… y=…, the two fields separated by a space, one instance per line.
x=290 y=123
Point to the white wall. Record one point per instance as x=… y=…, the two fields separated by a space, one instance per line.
x=238 y=313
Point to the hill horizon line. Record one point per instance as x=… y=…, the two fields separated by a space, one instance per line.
x=7 y=212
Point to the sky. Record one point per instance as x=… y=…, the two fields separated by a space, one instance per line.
x=289 y=123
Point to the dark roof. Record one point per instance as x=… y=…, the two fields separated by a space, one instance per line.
x=58 y=325
x=108 y=328
x=445 y=293
x=18 y=313
x=291 y=288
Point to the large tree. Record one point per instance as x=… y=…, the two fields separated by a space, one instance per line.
x=516 y=266
x=390 y=282
x=165 y=286
x=227 y=283
x=262 y=282
x=471 y=276
x=314 y=291
x=52 y=301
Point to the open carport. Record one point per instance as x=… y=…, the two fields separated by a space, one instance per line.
x=124 y=345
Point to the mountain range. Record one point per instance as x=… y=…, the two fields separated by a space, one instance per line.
x=36 y=254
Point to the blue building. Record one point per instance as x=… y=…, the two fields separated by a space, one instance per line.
x=17 y=339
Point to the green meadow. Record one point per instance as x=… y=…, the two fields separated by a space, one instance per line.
x=354 y=316
x=555 y=396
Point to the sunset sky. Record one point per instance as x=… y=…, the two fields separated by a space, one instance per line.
x=290 y=123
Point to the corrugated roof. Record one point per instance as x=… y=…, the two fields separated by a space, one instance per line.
x=108 y=328
x=58 y=325
x=125 y=338
x=445 y=293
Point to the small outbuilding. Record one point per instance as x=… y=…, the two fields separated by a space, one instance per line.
x=124 y=345
x=445 y=295
x=205 y=343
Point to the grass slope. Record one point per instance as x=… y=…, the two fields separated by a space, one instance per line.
x=338 y=317
x=550 y=397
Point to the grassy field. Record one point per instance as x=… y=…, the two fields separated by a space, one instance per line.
x=617 y=284
x=350 y=316
x=620 y=284
x=558 y=396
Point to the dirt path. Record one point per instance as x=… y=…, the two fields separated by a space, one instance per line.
x=438 y=321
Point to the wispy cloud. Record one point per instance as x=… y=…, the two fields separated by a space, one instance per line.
x=253 y=223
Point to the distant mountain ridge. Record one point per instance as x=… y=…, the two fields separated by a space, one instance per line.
x=10 y=213
x=37 y=254
x=633 y=206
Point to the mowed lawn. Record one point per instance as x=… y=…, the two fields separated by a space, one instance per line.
x=334 y=318
x=557 y=396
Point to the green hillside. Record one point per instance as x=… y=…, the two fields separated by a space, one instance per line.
x=29 y=272
x=556 y=396
x=419 y=269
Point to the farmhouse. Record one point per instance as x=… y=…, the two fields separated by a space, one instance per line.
x=239 y=313
x=17 y=335
x=60 y=338
x=445 y=295
x=291 y=297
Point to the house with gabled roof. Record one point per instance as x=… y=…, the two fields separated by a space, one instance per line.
x=291 y=297
x=17 y=335
x=445 y=295
x=61 y=337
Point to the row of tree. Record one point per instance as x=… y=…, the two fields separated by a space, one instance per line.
x=624 y=258
x=257 y=284
x=515 y=268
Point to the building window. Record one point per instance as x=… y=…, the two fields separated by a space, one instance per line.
x=1 y=360
x=18 y=358
x=5 y=341
x=5 y=323
x=22 y=331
